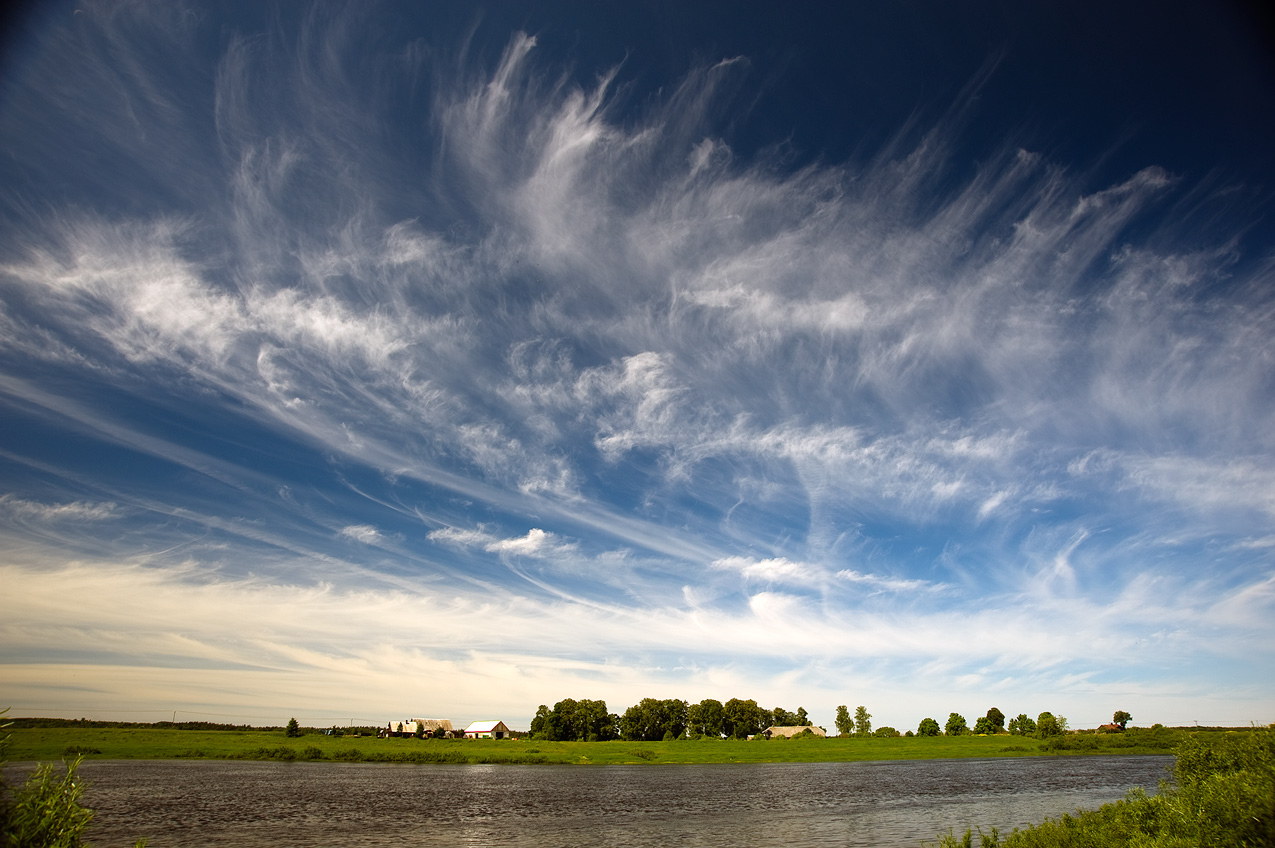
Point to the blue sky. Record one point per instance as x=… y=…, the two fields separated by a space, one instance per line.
x=360 y=361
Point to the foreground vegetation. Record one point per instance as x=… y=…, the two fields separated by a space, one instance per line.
x=1222 y=796
x=73 y=739
x=46 y=810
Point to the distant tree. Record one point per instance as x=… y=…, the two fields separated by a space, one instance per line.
x=928 y=727
x=293 y=730
x=862 y=722
x=845 y=724
x=419 y=732
x=885 y=732
x=956 y=725
x=542 y=726
x=742 y=719
x=997 y=719
x=596 y=724
x=803 y=717
x=983 y=726
x=1022 y=726
x=439 y=732
x=705 y=718
x=1047 y=725
x=567 y=722
x=780 y=717
x=651 y=719
x=574 y=721
x=1121 y=718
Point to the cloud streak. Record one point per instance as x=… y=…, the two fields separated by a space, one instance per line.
x=547 y=367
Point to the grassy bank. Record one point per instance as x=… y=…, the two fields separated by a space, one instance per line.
x=147 y=742
x=1222 y=796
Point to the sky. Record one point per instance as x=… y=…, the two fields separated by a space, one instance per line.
x=364 y=361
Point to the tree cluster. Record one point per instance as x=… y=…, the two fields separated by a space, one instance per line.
x=575 y=721
x=860 y=725
x=654 y=719
x=1045 y=725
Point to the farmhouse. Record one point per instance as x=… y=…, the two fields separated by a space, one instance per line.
x=427 y=725
x=487 y=730
x=789 y=732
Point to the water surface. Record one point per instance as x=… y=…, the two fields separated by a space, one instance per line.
x=879 y=804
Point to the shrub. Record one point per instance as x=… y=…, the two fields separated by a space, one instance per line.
x=77 y=750
x=46 y=811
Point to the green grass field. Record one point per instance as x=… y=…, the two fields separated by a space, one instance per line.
x=52 y=743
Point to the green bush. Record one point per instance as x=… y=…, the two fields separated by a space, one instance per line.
x=46 y=811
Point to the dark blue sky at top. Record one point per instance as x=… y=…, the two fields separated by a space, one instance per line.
x=1105 y=88
x=959 y=325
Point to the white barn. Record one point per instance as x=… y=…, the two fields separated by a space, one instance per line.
x=487 y=730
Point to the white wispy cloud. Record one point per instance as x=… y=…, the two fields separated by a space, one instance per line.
x=833 y=403
x=365 y=533
x=45 y=512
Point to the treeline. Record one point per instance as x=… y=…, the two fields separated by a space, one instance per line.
x=654 y=719
x=32 y=723
x=1043 y=726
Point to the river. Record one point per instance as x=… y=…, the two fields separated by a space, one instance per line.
x=880 y=804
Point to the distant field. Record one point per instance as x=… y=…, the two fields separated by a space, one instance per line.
x=52 y=743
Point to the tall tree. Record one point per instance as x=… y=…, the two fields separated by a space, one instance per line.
x=1121 y=718
x=543 y=726
x=1022 y=726
x=780 y=717
x=928 y=727
x=997 y=719
x=742 y=719
x=862 y=722
x=956 y=725
x=1047 y=725
x=705 y=718
x=845 y=724
x=596 y=724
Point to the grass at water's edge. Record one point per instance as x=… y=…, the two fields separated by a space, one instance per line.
x=1222 y=796
x=50 y=743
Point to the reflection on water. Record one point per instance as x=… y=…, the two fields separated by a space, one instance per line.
x=885 y=804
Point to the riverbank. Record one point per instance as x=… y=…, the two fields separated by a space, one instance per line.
x=147 y=742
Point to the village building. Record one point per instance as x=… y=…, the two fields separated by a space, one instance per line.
x=487 y=730
x=789 y=732
x=409 y=726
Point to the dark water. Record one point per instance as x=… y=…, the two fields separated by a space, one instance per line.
x=884 y=804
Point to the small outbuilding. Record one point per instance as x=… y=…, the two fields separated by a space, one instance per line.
x=487 y=730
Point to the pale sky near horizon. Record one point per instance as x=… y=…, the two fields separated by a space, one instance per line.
x=366 y=361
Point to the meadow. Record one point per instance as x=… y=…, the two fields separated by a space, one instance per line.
x=150 y=742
